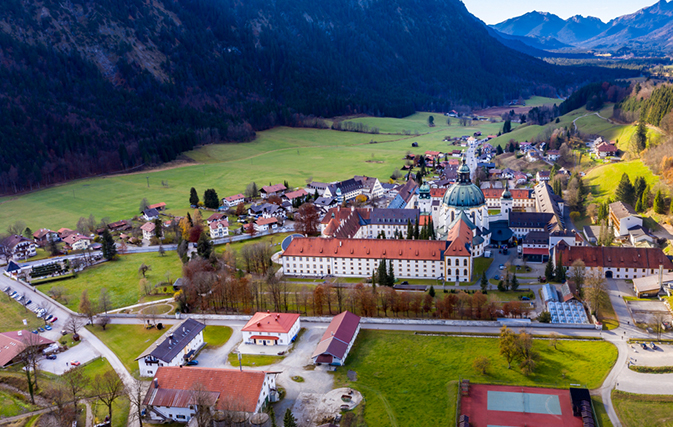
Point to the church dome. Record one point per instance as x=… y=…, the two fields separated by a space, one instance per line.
x=464 y=194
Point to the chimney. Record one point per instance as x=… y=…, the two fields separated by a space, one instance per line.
x=156 y=383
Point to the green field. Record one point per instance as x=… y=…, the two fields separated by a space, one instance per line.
x=419 y=123
x=279 y=154
x=127 y=341
x=120 y=277
x=253 y=359
x=600 y=411
x=643 y=410
x=12 y=315
x=603 y=180
x=407 y=378
x=216 y=336
x=12 y=404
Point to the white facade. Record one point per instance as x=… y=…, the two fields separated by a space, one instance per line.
x=219 y=229
x=359 y=267
x=148 y=365
x=284 y=338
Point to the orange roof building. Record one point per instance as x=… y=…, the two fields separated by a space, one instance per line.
x=175 y=391
x=616 y=262
x=13 y=343
x=271 y=329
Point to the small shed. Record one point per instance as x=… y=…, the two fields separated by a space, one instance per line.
x=651 y=285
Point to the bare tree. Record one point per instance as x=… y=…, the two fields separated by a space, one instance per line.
x=274 y=286
x=107 y=388
x=308 y=221
x=144 y=268
x=136 y=393
x=595 y=290
x=29 y=358
x=103 y=321
x=76 y=383
x=203 y=400
x=104 y=302
x=65 y=413
x=658 y=324
x=577 y=275
x=339 y=293
x=553 y=339
x=73 y=324
x=87 y=307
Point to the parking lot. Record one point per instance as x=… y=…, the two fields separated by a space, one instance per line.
x=646 y=312
x=82 y=353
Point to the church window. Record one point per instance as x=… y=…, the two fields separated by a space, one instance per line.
x=465 y=262
x=465 y=272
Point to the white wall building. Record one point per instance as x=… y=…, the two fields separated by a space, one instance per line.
x=177 y=346
x=271 y=329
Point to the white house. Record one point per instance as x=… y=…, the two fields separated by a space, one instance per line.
x=148 y=230
x=266 y=224
x=175 y=348
x=170 y=396
x=542 y=176
x=219 y=229
x=150 y=214
x=232 y=201
x=18 y=247
x=623 y=218
x=337 y=340
x=271 y=329
x=272 y=190
x=77 y=242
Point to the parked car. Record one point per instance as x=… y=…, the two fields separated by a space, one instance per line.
x=40 y=329
x=643 y=345
x=496 y=277
x=64 y=332
x=192 y=363
x=48 y=317
x=47 y=327
x=28 y=302
x=525 y=299
x=34 y=331
x=7 y=289
x=53 y=319
x=653 y=346
x=51 y=357
x=75 y=363
x=501 y=266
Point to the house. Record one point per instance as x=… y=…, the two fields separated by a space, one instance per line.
x=371 y=187
x=542 y=176
x=323 y=204
x=553 y=155
x=271 y=329
x=272 y=190
x=219 y=229
x=217 y=216
x=77 y=242
x=233 y=201
x=267 y=210
x=650 y=286
x=406 y=196
x=148 y=230
x=639 y=237
x=622 y=218
x=535 y=246
x=266 y=224
x=173 y=391
x=13 y=343
x=520 y=178
x=174 y=348
x=337 y=340
x=158 y=206
x=604 y=149
x=122 y=225
x=614 y=262
x=17 y=247
x=44 y=235
x=591 y=233
x=532 y=156
x=150 y=214
x=298 y=194
x=319 y=187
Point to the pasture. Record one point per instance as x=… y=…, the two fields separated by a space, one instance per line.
x=603 y=180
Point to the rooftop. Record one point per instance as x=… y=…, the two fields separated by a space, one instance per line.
x=367 y=248
x=271 y=322
x=622 y=210
x=174 y=340
x=338 y=335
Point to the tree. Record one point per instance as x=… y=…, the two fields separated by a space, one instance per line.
x=103 y=321
x=544 y=317
x=86 y=307
x=640 y=137
x=107 y=388
x=508 y=345
x=595 y=290
x=484 y=282
x=549 y=270
x=109 y=248
x=143 y=204
x=143 y=269
x=29 y=358
x=410 y=230
x=498 y=150
x=104 y=302
x=16 y=228
x=289 y=420
x=136 y=391
x=553 y=339
x=210 y=199
x=76 y=383
x=431 y=292
x=514 y=284
x=251 y=191
x=625 y=191
x=308 y=221
x=481 y=364
x=202 y=400
x=204 y=247
x=506 y=128
x=391 y=274
x=382 y=274
x=73 y=324
x=659 y=203
x=560 y=273
x=162 y=251
x=577 y=273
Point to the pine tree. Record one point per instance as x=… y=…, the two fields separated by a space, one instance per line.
x=515 y=283
x=210 y=199
x=625 y=191
x=289 y=420
x=484 y=282
x=549 y=270
x=639 y=186
x=431 y=291
x=645 y=200
x=659 y=203
x=109 y=249
x=560 y=274
x=382 y=275
x=640 y=138
x=410 y=230
x=193 y=197
x=391 y=274
x=417 y=232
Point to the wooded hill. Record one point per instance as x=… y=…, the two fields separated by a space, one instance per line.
x=91 y=87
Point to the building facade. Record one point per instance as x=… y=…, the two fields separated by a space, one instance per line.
x=175 y=348
x=269 y=329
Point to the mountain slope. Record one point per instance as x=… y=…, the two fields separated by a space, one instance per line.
x=90 y=87
x=545 y=26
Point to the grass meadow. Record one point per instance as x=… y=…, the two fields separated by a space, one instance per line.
x=409 y=379
x=603 y=180
x=643 y=410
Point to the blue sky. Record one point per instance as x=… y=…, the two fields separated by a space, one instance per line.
x=495 y=11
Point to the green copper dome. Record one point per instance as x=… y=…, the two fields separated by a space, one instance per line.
x=464 y=194
x=506 y=194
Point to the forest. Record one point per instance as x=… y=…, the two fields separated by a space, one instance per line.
x=89 y=88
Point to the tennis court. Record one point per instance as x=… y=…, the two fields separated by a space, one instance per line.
x=511 y=406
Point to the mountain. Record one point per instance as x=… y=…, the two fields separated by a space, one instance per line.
x=647 y=30
x=90 y=87
x=546 y=26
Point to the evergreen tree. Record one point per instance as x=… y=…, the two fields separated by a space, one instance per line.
x=515 y=283
x=506 y=127
x=189 y=218
x=560 y=274
x=193 y=197
x=431 y=291
x=204 y=247
x=410 y=230
x=640 y=137
x=659 y=203
x=639 y=186
x=498 y=150
x=109 y=249
x=157 y=228
x=289 y=420
x=625 y=191
x=639 y=206
x=484 y=282
x=549 y=270
x=210 y=199
x=391 y=274
x=645 y=200
x=417 y=232
x=382 y=275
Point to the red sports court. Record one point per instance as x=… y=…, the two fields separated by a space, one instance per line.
x=511 y=406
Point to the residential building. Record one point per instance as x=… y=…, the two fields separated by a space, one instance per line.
x=323 y=204
x=337 y=340
x=219 y=229
x=272 y=190
x=523 y=198
x=615 y=262
x=271 y=329
x=171 y=394
x=18 y=247
x=217 y=216
x=320 y=187
x=158 y=206
x=553 y=155
x=122 y=225
x=266 y=224
x=604 y=149
x=267 y=210
x=542 y=176
x=44 y=235
x=174 y=348
x=406 y=196
x=298 y=194
x=148 y=230
x=623 y=217
x=233 y=201
x=13 y=343
x=150 y=214
x=535 y=247
x=77 y=242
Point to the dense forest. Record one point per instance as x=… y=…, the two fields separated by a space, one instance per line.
x=650 y=104
x=91 y=87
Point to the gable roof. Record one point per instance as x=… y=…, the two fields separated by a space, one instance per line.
x=273 y=188
x=13 y=343
x=148 y=226
x=216 y=217
x=266 y=221
x=605 y=147
x=271 y=322
x=430 y=250
x=622 y=210
x=459 y=237
x=160 y=205
x=615 y=257
x=294 y=194
x=338 y=335
x=230 y=388
x=76 y=237
x=234 y=198
x=223 y=222
x=150 y=212
x=517 y=193
x=42 y=232
x=180 y=335
x=10 y=242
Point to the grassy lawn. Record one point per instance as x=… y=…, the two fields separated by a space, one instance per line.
x=120 y=412
x=510 y=295
x=398 y=371
x=279 y=154
x=12 y=404
x=607 y=317
x=273 y=240
x=216 y=336
x=643 y=410
x=603 y=180
x=254 y=359
x=120 y=278
x=601 y=413
x=12 y=315
x=480 y=266
x=127 y=341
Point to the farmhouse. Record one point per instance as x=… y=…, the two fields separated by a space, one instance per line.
x=76 y=242
x=542 y=176
x=337 y=340
x=266 y=224
x=148 y=230
x=175 y=348
x=272 y=190
x=171 y=395
x=44 y=235
x=158 y=206
x=219 y=229
x=150 y=214
x=12 y=345
x=271 y=329
x=603 y=149
x=17 y=247
x=615 y=262
x=231 y=201
x=298 y=194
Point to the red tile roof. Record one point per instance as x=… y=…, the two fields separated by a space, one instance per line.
x=234 y=198
x=366 y=248
x=271 y=322
x=338 y=335
x=606 y=148
x=41 y=233
x=294 y=194
x=157 y=206
x=12 y=344
x=459 y=238
x=615 y=257
x=264 y=337
x=496 y=193
x=215 y=224
x=230 y=388
x=273 y=188
x=148 y=226
x=266 y=221
x=535 y=251
x=438 y=193
x=216 y=217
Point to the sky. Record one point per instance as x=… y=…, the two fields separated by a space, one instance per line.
x=495 y=11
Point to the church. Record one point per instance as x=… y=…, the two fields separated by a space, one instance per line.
x=462 y=225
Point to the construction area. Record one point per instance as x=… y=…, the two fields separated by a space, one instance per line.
x=313 y=409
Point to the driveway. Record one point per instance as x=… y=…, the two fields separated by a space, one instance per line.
x=83 y=352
